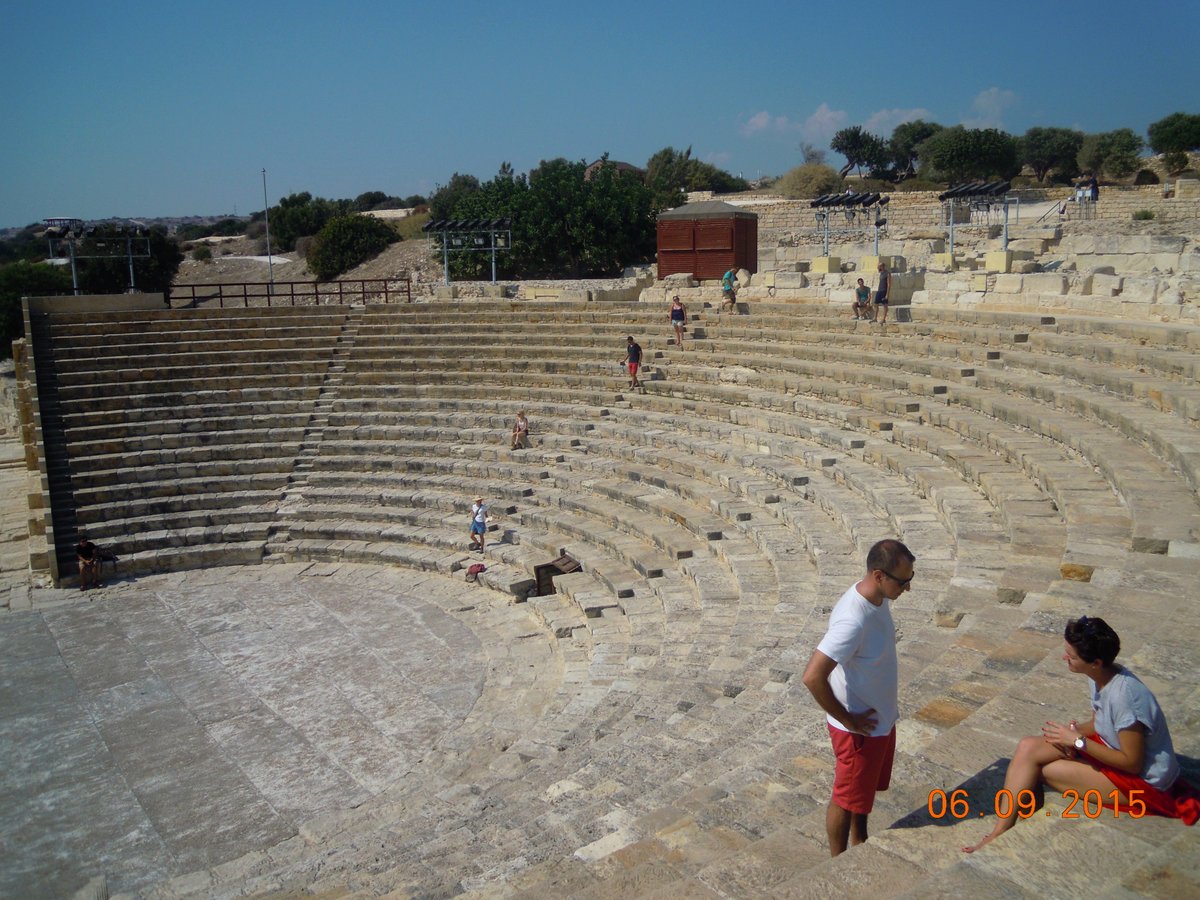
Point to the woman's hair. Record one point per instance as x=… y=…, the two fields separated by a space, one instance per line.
x=1092 y=639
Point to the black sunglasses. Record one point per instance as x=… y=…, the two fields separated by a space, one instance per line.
x=903 y=582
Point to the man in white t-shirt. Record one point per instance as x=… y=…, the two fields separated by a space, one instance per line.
x=853 y=677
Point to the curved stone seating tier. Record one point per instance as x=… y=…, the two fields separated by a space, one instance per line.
x=1152 y=539
x=661 y=739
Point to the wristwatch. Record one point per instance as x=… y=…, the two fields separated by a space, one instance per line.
x=1080 y=743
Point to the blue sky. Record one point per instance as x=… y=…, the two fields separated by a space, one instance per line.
x=137 y=109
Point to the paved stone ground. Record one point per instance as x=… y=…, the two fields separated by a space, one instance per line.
x=153 y=729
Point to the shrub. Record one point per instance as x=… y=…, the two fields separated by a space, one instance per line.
x=202 y=253
x=1146 y=176
x=1143 y=215
x=304 y=246
x=256 y=229
x=809 y=180
x=345 y=241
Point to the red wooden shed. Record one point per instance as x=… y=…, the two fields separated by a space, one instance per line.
x=707 y=239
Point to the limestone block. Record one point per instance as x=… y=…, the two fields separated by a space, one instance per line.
x=680 y=281
x=896 y=263
x=904 y=284
x=1139 y=289
x=446 y=292
x=943 y=262
x=1103 y=285
x=1009 y=284
x=868 y=264
x=1187 y=189
x=1045 y=283
x=493 y=291
x=1024 y=266
x=790 y=280
x=998 y=261
x=979 y=282
x=1163 y=243
x=1038 y=232
x=1078 y=244
x=826 y=264
x=1029 y=246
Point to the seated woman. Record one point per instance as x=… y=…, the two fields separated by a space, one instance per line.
x=520 y=431
x=1124 y=747
x=88 y=557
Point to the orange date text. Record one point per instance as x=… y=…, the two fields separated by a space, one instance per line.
x=958 y=804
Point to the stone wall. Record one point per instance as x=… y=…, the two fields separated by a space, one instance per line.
x=1174 y=298
x=1122 y=202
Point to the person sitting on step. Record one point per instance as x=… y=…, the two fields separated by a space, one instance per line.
x=1123 y=753
x=88 y=557
x=520 y=432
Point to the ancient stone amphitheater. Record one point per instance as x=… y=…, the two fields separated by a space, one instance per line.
x=291 y=688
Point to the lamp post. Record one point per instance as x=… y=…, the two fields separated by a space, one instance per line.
x=267 y=219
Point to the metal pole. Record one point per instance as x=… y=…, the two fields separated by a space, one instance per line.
x=877 y=241
x=952 y=228
x=74 y=274
x=1006 y=223
x=446 y=254
x=267 y=219
x=129 y=254
x=493 y=257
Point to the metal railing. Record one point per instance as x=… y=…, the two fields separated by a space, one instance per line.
x=288 y=293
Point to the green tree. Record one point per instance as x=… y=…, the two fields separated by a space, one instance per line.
x=906 y=138
x=667 y=175
x=1115 y=153
x=670 y=173
x=1174 y=137
x=26 y=279
x=563 y=225
x=369 y=200
x=958 y=154
x=153 y=274
x=301 y=215
x=446 y=198
x=1043 y=149
x=861 y=148
x=1177 y=132
x=346 y=241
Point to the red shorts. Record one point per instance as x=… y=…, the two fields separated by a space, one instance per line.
x=1180 y=801
x=633 y=367
x=864 y=766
